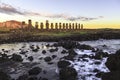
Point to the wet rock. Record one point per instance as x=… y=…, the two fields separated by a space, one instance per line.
x=103 y=54
x=115 y=75
x=32 y=78
x=17 y=58
x=44 y=71
x=54 y=56
x=53 y=50
x=99 y=74
x=48 y=45
x=40 y=58
x=32 y=46
x=50 y=63
x=97 y=62
x=47 y=59
x=69 y=57
x=118 y=52
x=23 y=77
x=35 y=71
x=113 y=62
x=37 y=47
x=68 y=44
x=63 y=52
x=23 y=52
x=30 y=58
x=63 y=64
x=100 y=55
x=72 y=52
x=85 y=60
x=44 y=52
x=44 y=79
x=4 y=76
x=85 y=47
x=68 y=73
x=96 y=70
x=104 y=45
x=35 y=50
x=4 y=58
x=84 y=56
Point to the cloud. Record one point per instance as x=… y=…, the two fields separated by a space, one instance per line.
x=10 y=10
x=83 y=18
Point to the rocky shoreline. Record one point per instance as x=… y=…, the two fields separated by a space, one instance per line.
x=65 y=65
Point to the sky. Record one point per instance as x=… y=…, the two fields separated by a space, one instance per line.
x=91 y=13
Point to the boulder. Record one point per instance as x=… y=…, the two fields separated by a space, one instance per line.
x=114 y=75
x=63 y=64
x=47 y=59
x=68 y=44
x=63 y=52
x=35 y=50
x=34 y=71
x=44 y=52
x=4 y=58
x=32 y=78
x=100 y=55
x=68 y=73
x=23 y=77
x=17 y=58
x=4 y=76
x=113 y=62
x=85 y=47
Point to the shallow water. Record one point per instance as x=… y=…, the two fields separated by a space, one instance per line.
x=84 y=67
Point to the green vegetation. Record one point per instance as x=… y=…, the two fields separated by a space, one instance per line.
x=38 y=35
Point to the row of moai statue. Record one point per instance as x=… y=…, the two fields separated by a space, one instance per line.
x=56 y=26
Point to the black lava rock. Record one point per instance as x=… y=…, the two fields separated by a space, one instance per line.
x=113 y=62
x=63 y=64
x=43 y=51
x=30 y=58
x=32 y=78
x=68 y=73
x=63 y=52
x=4 y=76
x=17 y=58
x=35 y=71
x=54 y=56
x=114 y=75
x=47 y=59
x=23 y=77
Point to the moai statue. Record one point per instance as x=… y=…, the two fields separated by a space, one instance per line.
x=41 y=26
x=52 y=26
x=60 y=26
x=63 y=26
x=56 y=26
x=36 y=25
x=67 y=26
x=81 y=26
x=70 y=26
x=23 y=25
x=30 y=24
x=73 y=26
x=47 y=25
x=76 y=25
